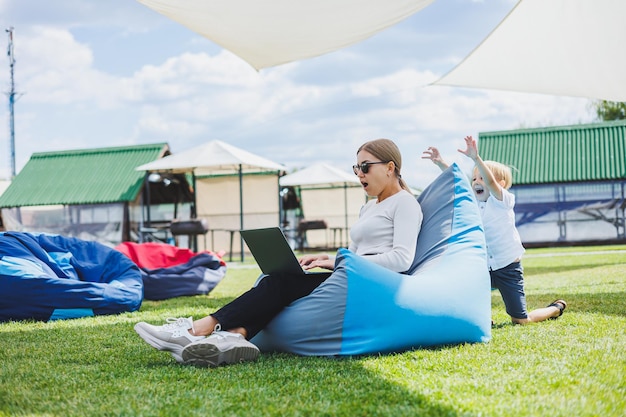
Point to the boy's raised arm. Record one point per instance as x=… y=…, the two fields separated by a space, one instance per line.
x=495 y=188
x=433 y=154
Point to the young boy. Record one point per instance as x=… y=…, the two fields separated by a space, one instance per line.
x=491 y=182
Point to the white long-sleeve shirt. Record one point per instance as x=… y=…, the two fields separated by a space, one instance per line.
x=386 y=232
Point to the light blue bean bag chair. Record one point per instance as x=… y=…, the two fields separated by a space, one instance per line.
x=362 y=308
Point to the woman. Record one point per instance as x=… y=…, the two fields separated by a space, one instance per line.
x=386 y=234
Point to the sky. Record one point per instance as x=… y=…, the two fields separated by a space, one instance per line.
x=93 y=74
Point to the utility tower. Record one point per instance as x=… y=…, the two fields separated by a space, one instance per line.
x=11 y=95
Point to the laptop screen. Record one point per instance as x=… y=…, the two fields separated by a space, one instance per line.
x=272 y=251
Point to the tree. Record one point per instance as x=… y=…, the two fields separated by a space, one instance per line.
x=611 y=110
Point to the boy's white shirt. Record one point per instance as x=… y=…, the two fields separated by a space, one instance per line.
x=504 y=245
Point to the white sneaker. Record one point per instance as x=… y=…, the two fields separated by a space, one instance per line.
x=171 y=337
x=220 y=348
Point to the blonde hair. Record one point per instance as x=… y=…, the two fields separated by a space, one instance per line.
x=501 y=172
x=386 y=150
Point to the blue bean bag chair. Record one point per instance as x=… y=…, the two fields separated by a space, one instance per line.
x=168 y=271
x=363 y=308
x=49 y=277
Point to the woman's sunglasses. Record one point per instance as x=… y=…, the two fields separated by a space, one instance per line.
x=365 y=167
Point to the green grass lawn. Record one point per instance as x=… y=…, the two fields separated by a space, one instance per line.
x=573 y=366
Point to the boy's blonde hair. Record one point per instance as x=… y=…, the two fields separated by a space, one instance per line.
x=500 y=172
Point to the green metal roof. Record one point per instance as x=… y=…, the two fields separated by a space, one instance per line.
x=86 y=176
x=585 y=152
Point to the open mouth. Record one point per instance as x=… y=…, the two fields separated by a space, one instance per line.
x=479 y=190
x=364 y=184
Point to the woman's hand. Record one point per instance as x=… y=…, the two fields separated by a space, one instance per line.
x=317 y=261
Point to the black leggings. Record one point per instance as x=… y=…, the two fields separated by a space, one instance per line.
x=254 y=309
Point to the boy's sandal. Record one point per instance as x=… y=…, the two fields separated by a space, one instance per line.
x=561 y=305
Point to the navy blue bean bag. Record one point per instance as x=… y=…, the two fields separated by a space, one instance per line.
x=363 y=308
x=49 y=277
x=168 y=271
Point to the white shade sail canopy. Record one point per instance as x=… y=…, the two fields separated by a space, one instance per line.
x=212 y=158
x=321 y=174
x=268 y=33
x=559 y=47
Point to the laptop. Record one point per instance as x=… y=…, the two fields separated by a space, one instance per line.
x=273 y=253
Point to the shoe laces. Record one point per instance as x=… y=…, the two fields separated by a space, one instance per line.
x=173 y=323
x=219 y=333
